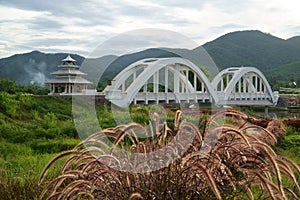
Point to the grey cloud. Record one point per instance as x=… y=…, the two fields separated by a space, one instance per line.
x=157 y=14
x=50 y=45
x=233 y=6
x=88 y=11
x=37 y=5
x=181 y=3
x=95 y=13
x=226 y=27
x=295 y=30
x=42 y=23
x=56 y=50
x=49 y=42
x=91 y=13
x=142 y=39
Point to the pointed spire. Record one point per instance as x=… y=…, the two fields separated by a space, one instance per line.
x=69 y=59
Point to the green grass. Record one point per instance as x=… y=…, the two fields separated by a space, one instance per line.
x=20 y=170
x=289 y=145
x=34 y=129
x=284 y=90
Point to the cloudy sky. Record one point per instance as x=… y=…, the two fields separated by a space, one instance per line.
x=77 y=26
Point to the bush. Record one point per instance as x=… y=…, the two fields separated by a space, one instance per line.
x=53 y=146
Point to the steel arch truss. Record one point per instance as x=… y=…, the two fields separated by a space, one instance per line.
x=179 y=80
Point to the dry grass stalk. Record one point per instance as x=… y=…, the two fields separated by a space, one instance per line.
x=220 y=161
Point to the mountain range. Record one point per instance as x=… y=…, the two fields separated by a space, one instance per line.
x=270 y=54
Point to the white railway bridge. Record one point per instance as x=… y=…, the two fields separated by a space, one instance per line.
x=166 y=80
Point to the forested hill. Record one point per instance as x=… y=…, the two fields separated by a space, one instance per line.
x=253 y=48
x=33 y=67
x=247 y=48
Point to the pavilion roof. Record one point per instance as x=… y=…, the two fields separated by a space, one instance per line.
x=79 y=80
x=69 y=58
x=68 y=72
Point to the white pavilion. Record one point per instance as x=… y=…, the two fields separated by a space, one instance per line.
x=68 y=79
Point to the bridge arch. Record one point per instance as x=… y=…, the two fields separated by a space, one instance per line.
x=189 y=83
x=240 y=86
x=246 y=84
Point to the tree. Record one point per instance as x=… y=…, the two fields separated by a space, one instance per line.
x=8 y=86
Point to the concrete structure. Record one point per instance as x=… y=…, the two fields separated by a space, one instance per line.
x=165 y=80
x=243 y=86
x=68 y=79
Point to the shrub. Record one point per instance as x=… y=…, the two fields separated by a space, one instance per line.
x=53 y=146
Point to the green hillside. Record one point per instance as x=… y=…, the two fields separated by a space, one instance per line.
x=33 y=67
x=287 y=72
x=253 y=48
x=33 y=129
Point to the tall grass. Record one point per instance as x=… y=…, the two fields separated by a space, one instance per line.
x=222 y=161
x=21 y=164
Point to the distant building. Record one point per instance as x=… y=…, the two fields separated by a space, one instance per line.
x=68 y=79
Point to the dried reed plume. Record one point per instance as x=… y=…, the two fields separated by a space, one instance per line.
x=216 y=162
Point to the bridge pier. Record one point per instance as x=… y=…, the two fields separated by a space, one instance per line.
x=244 y=109
x=267 y=112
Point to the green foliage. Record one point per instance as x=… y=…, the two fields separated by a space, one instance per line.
x=206 y=72
x=289 y=145
x=287 y=72
x=20 y=166
x=7 y=85
x=11 y=87
x=33 y=129
x=8 y=104
x=30 y=68
x=52 y=146
x=50 y=120
x=252 y=48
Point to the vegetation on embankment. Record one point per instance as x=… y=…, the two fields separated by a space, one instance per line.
x=34 y=129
